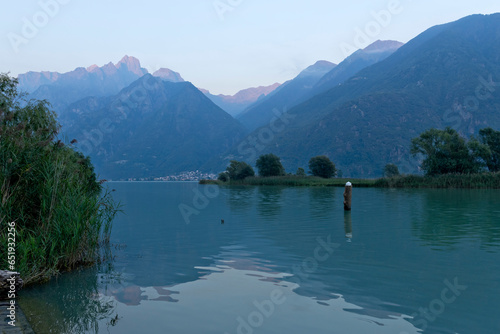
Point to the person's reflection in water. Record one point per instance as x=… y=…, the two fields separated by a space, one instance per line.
x=348 y=226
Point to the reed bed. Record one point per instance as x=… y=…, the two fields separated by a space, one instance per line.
x=62 y=214
x=459 y=181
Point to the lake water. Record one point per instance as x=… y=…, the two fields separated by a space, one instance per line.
x=285 y=260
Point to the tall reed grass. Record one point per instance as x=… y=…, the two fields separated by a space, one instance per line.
x=463 y=181
x=49 y=190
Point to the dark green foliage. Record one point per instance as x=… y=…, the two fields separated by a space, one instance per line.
x=391 y=170
x=445 y=152
x=224 y=177
x=300 y=172
x=270 y=165
x=49 y=191
x=491 y=138
x=322 y=166
x=239 y=170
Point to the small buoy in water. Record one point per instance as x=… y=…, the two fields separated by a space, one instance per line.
x=222 y=221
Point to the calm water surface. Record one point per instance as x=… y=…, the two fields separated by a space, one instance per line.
x=285 y=260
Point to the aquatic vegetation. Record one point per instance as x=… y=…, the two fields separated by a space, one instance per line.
x=49 y=191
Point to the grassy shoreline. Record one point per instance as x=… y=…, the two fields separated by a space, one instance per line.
x=457 y=181
x=454 y=181
x=293 y=181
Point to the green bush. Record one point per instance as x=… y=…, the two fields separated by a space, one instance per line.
x=447 y=153
x=270 y=165
x=322 y=166
x=238 y=170
x=391 y=170
x=300 y=172
x=223 y=177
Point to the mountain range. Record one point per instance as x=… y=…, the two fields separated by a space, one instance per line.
x=316 y=79
x=446 y=76
x=151 y=128
x=362 y=113
x=62 y=89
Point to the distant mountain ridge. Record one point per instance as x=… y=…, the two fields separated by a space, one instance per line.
x=235 y=104
x=314 y=80
x=286 y=96
x=168 y=75
x=31 y=81
x=359 y=60
x=62 y=89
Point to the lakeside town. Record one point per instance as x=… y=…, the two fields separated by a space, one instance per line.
x=184 y=176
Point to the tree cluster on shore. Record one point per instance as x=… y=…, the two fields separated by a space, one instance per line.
x=447 y=159
x=446 y=152
x=269 y=165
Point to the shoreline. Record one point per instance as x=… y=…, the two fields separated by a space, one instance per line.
x=447 y=181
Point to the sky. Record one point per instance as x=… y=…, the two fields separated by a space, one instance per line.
x=220 y=45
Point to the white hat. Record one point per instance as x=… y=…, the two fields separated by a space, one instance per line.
x=348 y=184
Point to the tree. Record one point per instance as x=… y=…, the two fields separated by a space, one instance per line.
x=224 y=177
x=491 y=138
x=300 y=172
x=445 y=152
x=270 y=165
x=322 y=166
x=239 y=170
x=391 y=170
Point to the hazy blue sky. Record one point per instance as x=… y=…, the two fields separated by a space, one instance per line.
x=241 y=44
